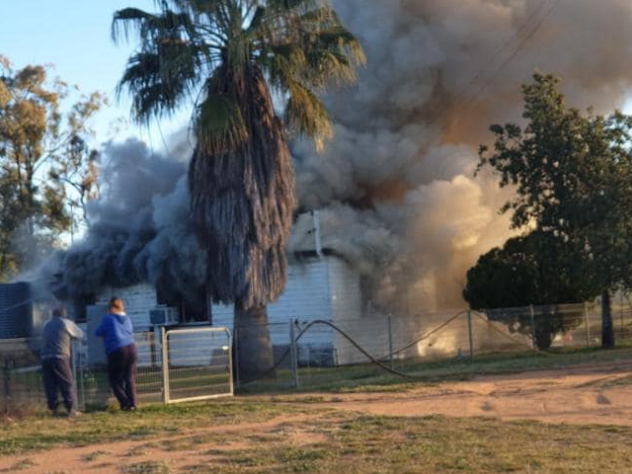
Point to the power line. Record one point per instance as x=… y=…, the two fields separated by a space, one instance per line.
x=515 y=52
x=508 y=41
x=493 y=77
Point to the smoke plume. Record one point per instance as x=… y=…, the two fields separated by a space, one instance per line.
x=139 y=231
x=395 y=187
x=397 y=180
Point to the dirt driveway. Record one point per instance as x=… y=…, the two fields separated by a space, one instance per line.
x=587 y=394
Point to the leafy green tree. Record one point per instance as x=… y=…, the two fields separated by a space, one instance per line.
x=230 y=57
x=573 y=178
x=38 y=150
x=536 y=269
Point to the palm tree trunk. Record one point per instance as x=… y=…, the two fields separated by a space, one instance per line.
x=607 y=330
x=255 y=358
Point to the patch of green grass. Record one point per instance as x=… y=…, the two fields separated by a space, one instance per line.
x=336 y=442
x=147 y=467
x=20 y=465
x=359 y=444
x=186 y=443
x=619 y=382
x=36 y=433
x=93 y=456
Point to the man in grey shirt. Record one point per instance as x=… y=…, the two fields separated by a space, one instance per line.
x=57 y=373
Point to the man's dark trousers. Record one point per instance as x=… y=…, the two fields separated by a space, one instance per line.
x=57 y=374
x=122 y=375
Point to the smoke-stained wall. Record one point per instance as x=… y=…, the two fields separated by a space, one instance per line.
x=397 y=180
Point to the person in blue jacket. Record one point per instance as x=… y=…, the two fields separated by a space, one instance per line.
x=118 y=337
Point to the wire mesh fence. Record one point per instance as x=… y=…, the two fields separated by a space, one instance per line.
x=199 y=367
x=93 y=389
x=311 y=353
x=21 y=381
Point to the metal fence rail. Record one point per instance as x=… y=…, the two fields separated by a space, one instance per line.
x=200 y=364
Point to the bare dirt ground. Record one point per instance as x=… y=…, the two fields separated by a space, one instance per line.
x=588 y=394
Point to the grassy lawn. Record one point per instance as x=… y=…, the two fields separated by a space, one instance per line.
x=336 y=442
x=41 y=431
x=363 y=444
x=333 y=443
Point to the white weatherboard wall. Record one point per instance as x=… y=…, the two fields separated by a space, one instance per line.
x=306 y=297
x=348 y=315
x=324 y=288
x=138 y=299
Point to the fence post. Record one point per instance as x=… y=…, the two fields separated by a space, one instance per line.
x=6 y=379
x=82 y=368
x=293 y=353
x=586 y=323
x=75 y=372
x=231 y=370
x=471 y=335
x=533 y=328
x=165 y=365
x=390 y=342
x=236 y=354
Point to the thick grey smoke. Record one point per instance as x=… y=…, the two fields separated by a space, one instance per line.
x=139 y=230
x=398 y=175
x=395 y=187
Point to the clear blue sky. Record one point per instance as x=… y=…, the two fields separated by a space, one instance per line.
x=74 y=36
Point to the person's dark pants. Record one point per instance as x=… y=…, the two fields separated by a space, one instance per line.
x=122 y=375
x=57 y=374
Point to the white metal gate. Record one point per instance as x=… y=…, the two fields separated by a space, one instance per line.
x=199 y=364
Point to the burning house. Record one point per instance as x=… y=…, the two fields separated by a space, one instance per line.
x=402 y=216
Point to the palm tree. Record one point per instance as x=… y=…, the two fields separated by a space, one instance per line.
x=231 y=57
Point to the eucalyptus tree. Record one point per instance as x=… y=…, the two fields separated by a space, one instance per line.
x=230 y=58
x=46 y=164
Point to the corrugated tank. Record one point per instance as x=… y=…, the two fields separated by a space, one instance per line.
x=15 y=308
x=20 y=317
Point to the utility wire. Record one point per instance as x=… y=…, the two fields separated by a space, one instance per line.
x=536 y=11
x=493 y=78
x=515 y=52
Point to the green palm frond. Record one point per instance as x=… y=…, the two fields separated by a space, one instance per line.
x=159 y=80
x=220 y=125
x=300 y=45
x=306 y=114
x=328 y=51
x=151 y=27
